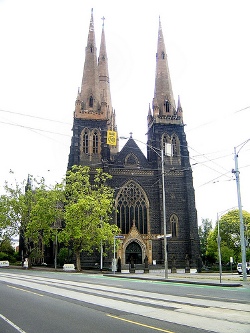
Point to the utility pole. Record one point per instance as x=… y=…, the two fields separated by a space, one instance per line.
x=242 y=237
x=219 y=251
x=164 y=216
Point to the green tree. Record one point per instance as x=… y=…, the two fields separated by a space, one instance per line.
x=204 y=230
x=88 y=208
x=12 y=210
x=229 y=225
x=45 y=216
x=32 y=213
x=7 y=251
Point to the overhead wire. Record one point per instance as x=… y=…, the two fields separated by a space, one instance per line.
x=33 y=128
x=36 y=117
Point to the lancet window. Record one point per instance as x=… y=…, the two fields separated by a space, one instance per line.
x=174 y=225
x=91 y=101
x=90 y=142
x=85 y=142
x=171 y=145
x=174 y=146
x=95 y=142
x=166 y=106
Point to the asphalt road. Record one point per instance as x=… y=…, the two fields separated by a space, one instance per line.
x=34 y=302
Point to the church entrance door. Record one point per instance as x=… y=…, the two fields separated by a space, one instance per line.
x=133 y=254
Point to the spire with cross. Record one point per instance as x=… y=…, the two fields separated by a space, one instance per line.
x=103 y=18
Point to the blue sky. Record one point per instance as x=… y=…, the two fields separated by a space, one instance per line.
x=207 y=42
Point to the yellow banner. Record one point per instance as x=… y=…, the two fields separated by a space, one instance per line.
x=111 y=138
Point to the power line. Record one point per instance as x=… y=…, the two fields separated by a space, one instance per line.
x=216 y=119
x=32 y=128
x=36 y=117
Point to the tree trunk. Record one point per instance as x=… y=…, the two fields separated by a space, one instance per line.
x=78 y=260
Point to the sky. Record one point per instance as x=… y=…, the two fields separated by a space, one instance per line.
x=207 y=42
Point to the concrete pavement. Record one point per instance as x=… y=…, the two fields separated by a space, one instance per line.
x=213 y=279
x=227 y=279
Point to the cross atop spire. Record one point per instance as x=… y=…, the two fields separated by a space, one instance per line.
x=103 y=18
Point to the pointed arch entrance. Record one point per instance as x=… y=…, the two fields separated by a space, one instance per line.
x=133 y=253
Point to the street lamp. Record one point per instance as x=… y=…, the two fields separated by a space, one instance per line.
x=218 y=241
x=242 y=237
x=101 y=258
x=163 y=201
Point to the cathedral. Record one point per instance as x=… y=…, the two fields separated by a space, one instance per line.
x=154 y=194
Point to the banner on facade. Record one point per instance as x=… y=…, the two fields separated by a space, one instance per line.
x=111 y=138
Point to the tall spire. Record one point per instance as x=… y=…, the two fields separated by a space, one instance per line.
x=104 y=74
x=163 y=102
x=88 y=103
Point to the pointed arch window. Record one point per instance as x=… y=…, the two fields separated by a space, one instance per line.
x=163 y=55
x=91 y=101
x=132 y=208
x=95 y=142
x=175 y=146
x=85 y=142
x=174 y=225
x=166 y=143
x=167 y=106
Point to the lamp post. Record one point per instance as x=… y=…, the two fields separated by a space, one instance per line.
x=163 y=202
x=219 y=238
x=242 y=237
x=218 y=241
x=164 y=216
x=101 y=259
x=56 y=251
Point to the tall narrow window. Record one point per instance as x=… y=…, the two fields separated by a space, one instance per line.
x=166 y=105
x=95 y=142
x=91 y=102
x=167 y=146
x=85 y=143
x=173 y=223
x=174 y=146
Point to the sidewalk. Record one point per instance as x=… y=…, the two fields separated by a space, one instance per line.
x=210 y=279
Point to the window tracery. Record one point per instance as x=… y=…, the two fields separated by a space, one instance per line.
x=132 y=208
x=90 y=141
x=171 y=146
x=131 y=160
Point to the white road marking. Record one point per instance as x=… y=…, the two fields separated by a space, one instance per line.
x=220 y=317
x=12 y=324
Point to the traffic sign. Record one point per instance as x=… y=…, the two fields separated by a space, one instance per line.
x=119 y=237
x=162 y=236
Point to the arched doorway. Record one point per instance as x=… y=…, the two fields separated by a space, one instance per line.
x=133 y=253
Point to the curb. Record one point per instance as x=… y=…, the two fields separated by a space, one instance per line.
x=207 y=283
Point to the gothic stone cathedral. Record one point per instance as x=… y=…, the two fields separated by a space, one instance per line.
x=137 y=179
